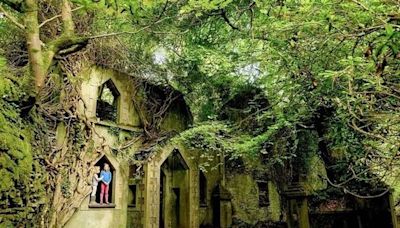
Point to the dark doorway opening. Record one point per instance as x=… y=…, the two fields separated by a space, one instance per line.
x=174 y=192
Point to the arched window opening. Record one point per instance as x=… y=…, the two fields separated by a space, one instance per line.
x=203 y=189
x=107 y=102
x=102 y=195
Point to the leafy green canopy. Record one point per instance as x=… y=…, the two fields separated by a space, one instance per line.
x=331 y=67
x=328 y=66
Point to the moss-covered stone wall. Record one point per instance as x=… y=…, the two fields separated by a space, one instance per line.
x=93 y=78
x=245 y=200
x=22 y=190
x=86 y=216
x=111 y=137
x=242 y=188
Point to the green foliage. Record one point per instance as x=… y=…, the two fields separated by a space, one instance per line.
x=329 y=67
x=211 y=136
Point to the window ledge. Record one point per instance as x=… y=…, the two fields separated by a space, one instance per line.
x=97 y=205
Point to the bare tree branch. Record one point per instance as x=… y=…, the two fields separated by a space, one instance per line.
x=57 y=16
x=127 y=32
x=366 y=197
x=163 y=10
x=67 y=45
x=226 y=19
x=346 y=191
x=361 y=5
x=355 y=127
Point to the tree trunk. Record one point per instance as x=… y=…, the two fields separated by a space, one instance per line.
x=34 y=44
x=66 y=15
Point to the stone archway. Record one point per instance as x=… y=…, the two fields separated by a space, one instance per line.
x=171 y=197
x=101 y=161
x=174 y=192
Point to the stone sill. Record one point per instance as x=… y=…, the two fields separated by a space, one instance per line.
x=97 y=205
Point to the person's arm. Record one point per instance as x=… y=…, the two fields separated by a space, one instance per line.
x=98 y=178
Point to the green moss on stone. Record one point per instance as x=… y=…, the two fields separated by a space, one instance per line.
x=315 y=175
x=21 y=179
x=275 y=202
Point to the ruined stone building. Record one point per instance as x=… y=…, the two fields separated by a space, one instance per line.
x=171 y=187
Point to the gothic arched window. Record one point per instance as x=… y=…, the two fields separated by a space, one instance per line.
x=107 y=102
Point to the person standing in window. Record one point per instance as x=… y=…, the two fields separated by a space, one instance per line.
x=105 y=184
x=95 y=182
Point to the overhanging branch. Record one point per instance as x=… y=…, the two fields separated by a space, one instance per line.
x=127 y=32
x=226 y=19
x=57 y=16
x=347 y=191
x=67 y=44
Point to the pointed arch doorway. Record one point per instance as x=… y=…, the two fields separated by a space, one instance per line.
x=174 y=192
